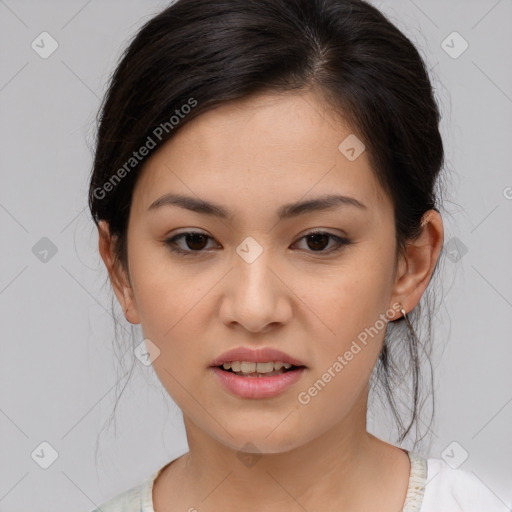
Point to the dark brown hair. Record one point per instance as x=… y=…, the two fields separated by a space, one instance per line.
x=204 y=53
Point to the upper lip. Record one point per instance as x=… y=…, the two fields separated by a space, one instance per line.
x=260 y=355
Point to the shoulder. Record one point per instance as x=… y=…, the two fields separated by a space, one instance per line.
x=135 y=499
x=457 y=490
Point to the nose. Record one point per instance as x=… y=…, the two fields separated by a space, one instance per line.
x=256 y=295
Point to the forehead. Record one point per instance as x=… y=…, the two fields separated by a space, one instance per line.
x=260 y=152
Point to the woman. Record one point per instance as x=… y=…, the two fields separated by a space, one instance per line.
x=265 y=191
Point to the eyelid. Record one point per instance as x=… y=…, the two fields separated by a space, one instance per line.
x=326 y=231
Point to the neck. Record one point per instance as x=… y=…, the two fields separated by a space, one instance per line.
x=338 y=467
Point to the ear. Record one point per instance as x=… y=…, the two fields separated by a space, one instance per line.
x=417 y=264
x=118 y=276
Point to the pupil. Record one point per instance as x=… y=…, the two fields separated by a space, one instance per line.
x=315 y=237
x=194 y=237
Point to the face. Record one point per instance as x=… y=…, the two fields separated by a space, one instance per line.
x=258 y=276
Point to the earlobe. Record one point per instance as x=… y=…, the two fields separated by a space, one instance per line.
x=419 y=260
x=129 y=306
x=118 y=279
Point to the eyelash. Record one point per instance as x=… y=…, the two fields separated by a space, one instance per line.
x=171 y=243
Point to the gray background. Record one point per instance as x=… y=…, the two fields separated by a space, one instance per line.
x=59 y=374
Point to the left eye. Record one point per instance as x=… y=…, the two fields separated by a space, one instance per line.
x=318 y=239
x=195 y=241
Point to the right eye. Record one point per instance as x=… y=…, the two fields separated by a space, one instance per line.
x=194 y=240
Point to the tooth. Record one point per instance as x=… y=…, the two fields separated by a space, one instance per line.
x=247 y=367
x=264 y=367
x=260 y=368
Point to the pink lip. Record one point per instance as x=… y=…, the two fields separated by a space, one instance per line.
x=257 y=387
x=252 y=355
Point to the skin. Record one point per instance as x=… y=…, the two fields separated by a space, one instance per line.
x=253 y=156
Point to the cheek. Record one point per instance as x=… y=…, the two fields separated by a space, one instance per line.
x=348 y=342
x=352 y=306
x=165 y=291
x=174 y=301
x=172 y=312
x=351 y=297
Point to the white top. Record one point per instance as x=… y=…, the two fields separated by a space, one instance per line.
x=433 y=487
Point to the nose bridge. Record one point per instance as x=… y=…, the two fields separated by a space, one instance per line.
x=255 y=296
x=252 y=262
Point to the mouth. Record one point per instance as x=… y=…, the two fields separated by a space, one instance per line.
x=257 y=373
x=252 y=369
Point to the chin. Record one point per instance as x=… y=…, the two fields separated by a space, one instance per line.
x=258 y=438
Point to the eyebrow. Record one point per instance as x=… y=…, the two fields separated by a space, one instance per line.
x=322 y=203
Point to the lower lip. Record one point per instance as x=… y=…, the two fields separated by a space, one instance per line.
x=257 y=387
